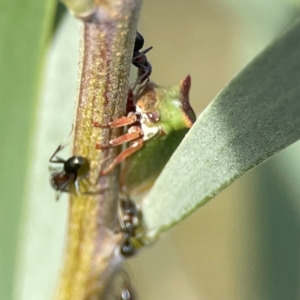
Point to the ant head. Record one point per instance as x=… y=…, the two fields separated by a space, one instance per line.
x=77 y=165
x=139 y=42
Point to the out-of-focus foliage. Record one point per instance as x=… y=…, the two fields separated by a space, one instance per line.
x=60 y=13
x=79 y=7
x=24 y=32
x=255 y=116
x=203 y=257
x=44 y=221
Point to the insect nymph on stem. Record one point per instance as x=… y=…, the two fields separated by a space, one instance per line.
x=155 y=126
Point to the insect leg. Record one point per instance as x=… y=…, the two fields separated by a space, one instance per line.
x=64 y=188
x=59 y=148
x=57 y=195
x=56 y=159
x=120 y=122
x=142 y=53
x=144 y=72
x=133 y=133
x=135 y=146
x=124 y=121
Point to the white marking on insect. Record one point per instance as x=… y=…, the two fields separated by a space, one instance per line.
x=148 y=131
x=177 y=103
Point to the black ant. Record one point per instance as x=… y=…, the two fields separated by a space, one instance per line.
x=139 y=60
x=130 y=220
x=74 y=169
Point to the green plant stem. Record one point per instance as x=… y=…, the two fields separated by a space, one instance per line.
x=106 y=52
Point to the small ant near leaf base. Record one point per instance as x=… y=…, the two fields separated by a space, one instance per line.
x=73 y=171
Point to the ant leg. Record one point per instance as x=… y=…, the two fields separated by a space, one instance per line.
x=147 y=50
x=57 y=195
x=145 y=67
x=57 y=159
x=53 y=170
x=77 y=185
x=144 y=72
x=135 y=146
x=64 y=188
x=142 y=53
x=59 y=148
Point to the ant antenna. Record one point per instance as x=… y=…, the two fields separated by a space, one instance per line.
x=61 y=147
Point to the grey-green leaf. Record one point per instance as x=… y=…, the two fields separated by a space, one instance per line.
x=256 y=115
x=25 y=27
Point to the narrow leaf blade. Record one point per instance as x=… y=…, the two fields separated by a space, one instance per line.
x=24 y=30
x=255 y=116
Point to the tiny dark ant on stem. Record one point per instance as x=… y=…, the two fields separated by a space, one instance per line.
x=130 y=220
x=139 y=59
x=75 y=168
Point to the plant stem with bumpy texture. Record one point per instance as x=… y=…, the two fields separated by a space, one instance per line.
x=92 y=255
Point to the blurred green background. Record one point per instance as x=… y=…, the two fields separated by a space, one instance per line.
x=244 y=244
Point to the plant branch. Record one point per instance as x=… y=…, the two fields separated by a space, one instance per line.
x=106 y=51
